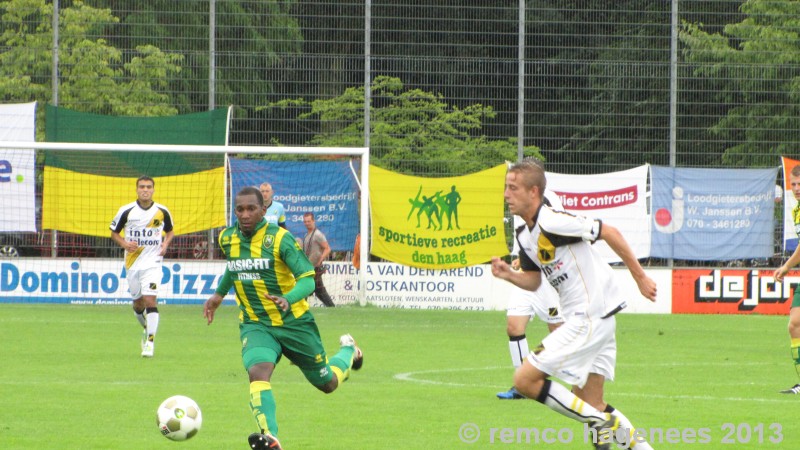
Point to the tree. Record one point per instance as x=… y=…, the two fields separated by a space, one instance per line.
x=413 y=131
x=755 y=67
x=93 y=77
x=251 y=41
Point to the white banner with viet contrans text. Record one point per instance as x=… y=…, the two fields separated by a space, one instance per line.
x=617 y=198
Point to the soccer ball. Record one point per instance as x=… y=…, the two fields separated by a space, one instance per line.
x=179 y=418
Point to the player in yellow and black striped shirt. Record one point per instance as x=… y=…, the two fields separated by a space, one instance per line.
x=272 y=278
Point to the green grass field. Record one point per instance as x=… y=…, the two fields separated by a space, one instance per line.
x=71 y=377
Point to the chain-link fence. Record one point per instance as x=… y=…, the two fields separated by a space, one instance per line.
x=595 y=86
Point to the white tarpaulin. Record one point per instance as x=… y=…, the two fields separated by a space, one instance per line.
x=17 y=168
x=618 y=198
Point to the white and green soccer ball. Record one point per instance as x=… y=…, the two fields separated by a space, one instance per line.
x=179 y=418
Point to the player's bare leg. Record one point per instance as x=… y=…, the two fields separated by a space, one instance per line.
x=794 y=335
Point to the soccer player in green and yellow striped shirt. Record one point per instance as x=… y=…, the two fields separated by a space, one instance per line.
x=272 y=278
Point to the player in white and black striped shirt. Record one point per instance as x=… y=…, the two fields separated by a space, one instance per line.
x=143 y=223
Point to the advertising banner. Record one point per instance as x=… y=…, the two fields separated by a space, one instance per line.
x=83 y=190
x=713 y=214
x=619 y=198
x=438 y=223
x=720 y=291
x=790 y=230
x=102 y=281
x=17 y=168
x=388 y=285
x=327 y=189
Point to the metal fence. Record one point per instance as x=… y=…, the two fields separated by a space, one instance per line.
x=597 y=86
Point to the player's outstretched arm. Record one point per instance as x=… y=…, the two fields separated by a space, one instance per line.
x=210 y=306
x=615 y=240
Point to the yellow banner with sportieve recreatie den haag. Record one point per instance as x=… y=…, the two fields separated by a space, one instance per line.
x=437 y=223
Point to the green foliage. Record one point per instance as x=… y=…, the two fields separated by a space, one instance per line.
x=413 y=131
x=93 y=75
x=753 y=66
x=251 y=38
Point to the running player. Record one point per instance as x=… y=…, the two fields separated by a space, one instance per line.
x=524 y=305
x=147 y=226
x=273 y=277
x=581 y=352
x=794 y=311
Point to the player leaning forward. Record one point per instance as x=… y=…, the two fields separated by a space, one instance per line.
x=143 y=222
x=273 y=277
x=582 y=352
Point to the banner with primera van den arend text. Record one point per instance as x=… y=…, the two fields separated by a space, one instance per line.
x=437 y=223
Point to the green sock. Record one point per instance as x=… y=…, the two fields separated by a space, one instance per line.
x=262 y=403
x=342 y=361
x=796 y=354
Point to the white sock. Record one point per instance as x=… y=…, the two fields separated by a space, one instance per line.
x=638 y=443
x=563 y=401
x=151 y=316
x=518 y=347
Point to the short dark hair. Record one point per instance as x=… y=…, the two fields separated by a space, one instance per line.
x=250 y=190
x=308 y=214
x=145 y=178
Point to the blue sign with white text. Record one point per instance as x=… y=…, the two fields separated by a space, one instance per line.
x=712 y=214
x=327 y=189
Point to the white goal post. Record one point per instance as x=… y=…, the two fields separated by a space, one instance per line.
x=360 y=152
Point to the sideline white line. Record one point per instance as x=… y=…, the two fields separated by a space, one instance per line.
x=412 y=377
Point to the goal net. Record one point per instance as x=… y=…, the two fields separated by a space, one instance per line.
x=79 y=187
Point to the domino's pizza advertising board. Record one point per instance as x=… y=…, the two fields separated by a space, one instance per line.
x=719 y=291
x=102 y=281
x=389 y=285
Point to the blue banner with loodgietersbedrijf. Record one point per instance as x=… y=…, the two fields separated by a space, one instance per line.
x=712 y=214
x=328 y=189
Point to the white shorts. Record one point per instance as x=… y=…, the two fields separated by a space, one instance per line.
x=577 y=348
x=542 y=303
x=144 y=282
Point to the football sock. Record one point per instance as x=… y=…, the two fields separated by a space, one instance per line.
x=140 y=317
x=796 y=354
x=518 y=347
x=563 y=401
x=341 y=362
x=262 y=404
x=639 y=443
x=151 y=317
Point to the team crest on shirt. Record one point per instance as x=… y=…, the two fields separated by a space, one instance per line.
x=318 y=358
x=552 y=312
x=268 y=240
x=153 y=286
x=323 y=372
